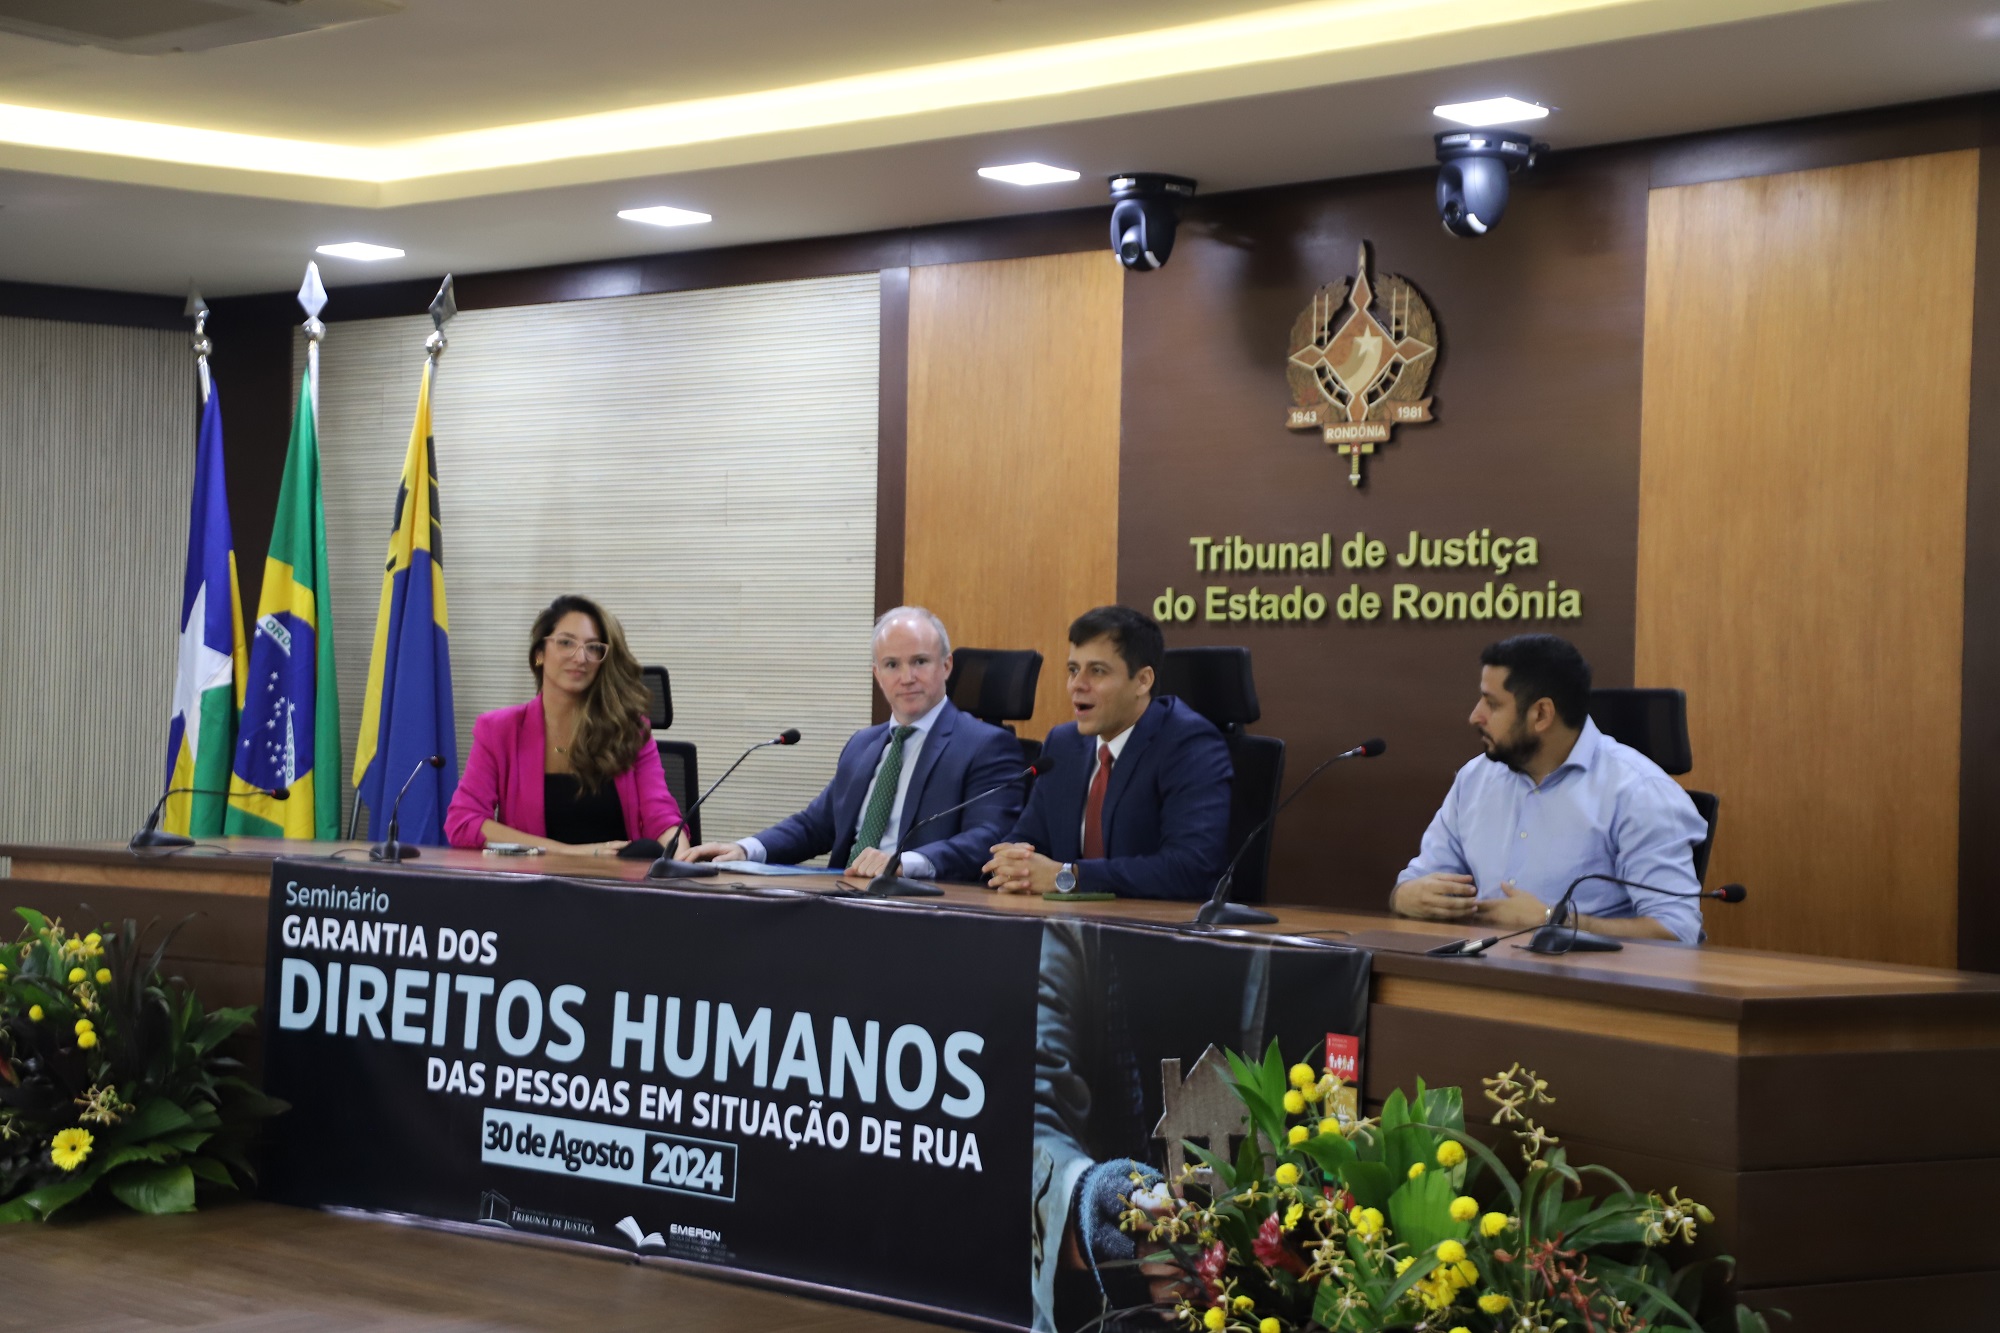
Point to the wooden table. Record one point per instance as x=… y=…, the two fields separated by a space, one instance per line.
x=1835 y=1115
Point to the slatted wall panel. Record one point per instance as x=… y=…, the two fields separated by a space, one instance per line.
x=97 y=457
x=702 y=463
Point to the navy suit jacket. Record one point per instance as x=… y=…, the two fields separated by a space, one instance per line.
x=960 y=758
x=1166 y=810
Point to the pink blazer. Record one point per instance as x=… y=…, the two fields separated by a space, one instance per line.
x=503 y=781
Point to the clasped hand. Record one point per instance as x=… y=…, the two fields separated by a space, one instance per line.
x=1017 y=867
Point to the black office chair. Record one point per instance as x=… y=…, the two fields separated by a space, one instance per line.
x=1655 y=723
x=997 y=685
x=676 y=757
x=1218 y=684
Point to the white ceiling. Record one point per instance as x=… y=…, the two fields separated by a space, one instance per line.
x=115 y=222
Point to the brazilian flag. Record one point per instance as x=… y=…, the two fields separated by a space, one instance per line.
x=289 y=735
x=406 y=715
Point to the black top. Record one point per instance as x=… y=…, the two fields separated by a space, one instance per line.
x=574 y=817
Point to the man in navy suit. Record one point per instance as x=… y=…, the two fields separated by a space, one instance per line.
x=1137 y=800
x=891 y=777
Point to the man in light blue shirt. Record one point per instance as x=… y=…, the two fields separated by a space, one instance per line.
x=1552 y=799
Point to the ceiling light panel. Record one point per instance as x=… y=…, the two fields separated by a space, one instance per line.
x=361 y=250
x=1491 y=111
x=1030 y=173
x=662 y=216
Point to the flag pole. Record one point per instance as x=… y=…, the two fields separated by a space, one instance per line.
x=198 y=310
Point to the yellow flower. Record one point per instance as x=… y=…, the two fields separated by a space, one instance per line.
x=104 y=976
x=1269 y=1326
x=1493 y=1302
x=1468 y=1272
x=1403 y=1265
x=70 y=1147
x=1329 y=1126
x=1292 y=1216
x=3 y=969
x=1464 y=1208
x=1416 y=1169
x=1450 y=1252
x=1286 y=1174
x=1450 y=1153
x=1295 y=1103
x=1298 y=1134
x=1461 y=1328
x=83 y=1025
x=1243 y=1304
x=93 y=939
x=1303 y=1077
x=1492 y=1224
x=76 y=974
x=35 y=1012
x=86 y=1039
x=1213 y=1319
x=1366 y=1221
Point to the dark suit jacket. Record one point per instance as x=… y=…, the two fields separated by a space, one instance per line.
x=1166 y=812
x=960 y=758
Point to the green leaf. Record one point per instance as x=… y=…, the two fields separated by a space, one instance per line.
x=211 y=1170
x=156 y=1189
x=16 y=1210
x=154 y=1117
x=46 y=1200
x=1225 y=1173
x=1420 y=1212
x=1369 y=1182
x=219 y=1026
x=1331 y=1151
x=1249 y=1160
x=34 y=919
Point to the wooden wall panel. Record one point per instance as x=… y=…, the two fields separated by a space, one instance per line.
x=1802 y=538
x=1012 y=521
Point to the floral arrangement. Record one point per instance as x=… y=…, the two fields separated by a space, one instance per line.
x=1407 y=1222
x=110 y=1077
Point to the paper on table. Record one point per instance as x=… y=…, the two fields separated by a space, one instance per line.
x=759 y=868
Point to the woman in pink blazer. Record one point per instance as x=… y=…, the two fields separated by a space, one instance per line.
x=574 y=768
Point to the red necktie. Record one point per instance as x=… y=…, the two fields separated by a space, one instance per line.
x=1093 y=810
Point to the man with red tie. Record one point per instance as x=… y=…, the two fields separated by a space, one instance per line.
x=1137 y=800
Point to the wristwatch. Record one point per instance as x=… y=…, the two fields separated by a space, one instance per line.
x=1066 y=877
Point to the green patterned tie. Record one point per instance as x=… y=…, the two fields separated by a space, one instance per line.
x=875 y=821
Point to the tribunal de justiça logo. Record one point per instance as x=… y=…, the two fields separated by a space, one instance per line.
x=1361 y=357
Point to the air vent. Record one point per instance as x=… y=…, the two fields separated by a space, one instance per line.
x=159 y=26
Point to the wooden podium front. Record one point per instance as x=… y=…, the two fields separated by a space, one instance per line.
x=1834 y=1114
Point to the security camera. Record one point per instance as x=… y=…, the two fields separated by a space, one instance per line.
x=1145 y=209
x=1472 y=184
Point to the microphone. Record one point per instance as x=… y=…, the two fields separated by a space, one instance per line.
x=891 y=884
x=150 y=835
x=1218 y=910
x=1552 y=937
x=391 y=848
x=667 y=867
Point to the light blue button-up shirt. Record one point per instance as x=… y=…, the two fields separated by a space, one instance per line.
x=1606 y=810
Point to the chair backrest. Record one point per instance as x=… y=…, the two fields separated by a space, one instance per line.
x=995 y=685
x=1253 y=798
x=683 y=779
x=659 y=697
x=1709 y=807
x=1652 y=721
x=1215 y=682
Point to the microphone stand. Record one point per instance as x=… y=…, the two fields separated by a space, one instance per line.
x=150 y=835
x=891 y=883
x=391 y=848
x=1219 y=910
x=668 y=867
x=1554 y=938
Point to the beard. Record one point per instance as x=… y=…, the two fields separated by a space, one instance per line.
x=1516 y=751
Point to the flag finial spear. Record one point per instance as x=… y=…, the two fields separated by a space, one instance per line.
x=312 y=299
x=443 y=307
x=198 y=310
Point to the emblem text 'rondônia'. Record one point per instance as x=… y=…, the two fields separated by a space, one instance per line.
x=1361 y=356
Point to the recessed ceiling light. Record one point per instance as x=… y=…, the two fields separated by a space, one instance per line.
x=1492 y=111
x=361 y=250
x=1030 y=173
x=662 y=216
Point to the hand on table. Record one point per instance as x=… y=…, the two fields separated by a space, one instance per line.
x=717 y=851
x=1439 y=897
x=1517 y=911
x=591 y=848
x=867 y=863
x=1017 y=867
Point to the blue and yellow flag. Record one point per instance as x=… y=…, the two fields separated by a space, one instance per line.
x=208 y=684
x=407 y=715
x=290 y=730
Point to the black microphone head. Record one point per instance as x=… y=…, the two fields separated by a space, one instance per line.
x=435 y=761
x=1369 y=749
x=281 y=793
x=1732 y=893
x=789 y=736
x=1042 y=765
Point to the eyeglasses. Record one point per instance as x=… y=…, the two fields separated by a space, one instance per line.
x=592 y=649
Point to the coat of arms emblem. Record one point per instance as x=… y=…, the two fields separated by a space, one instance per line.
x=1361 y=357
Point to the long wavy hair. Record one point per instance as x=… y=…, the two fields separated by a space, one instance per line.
x=612 y=728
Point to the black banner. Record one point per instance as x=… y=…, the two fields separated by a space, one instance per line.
x=855 y=1094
